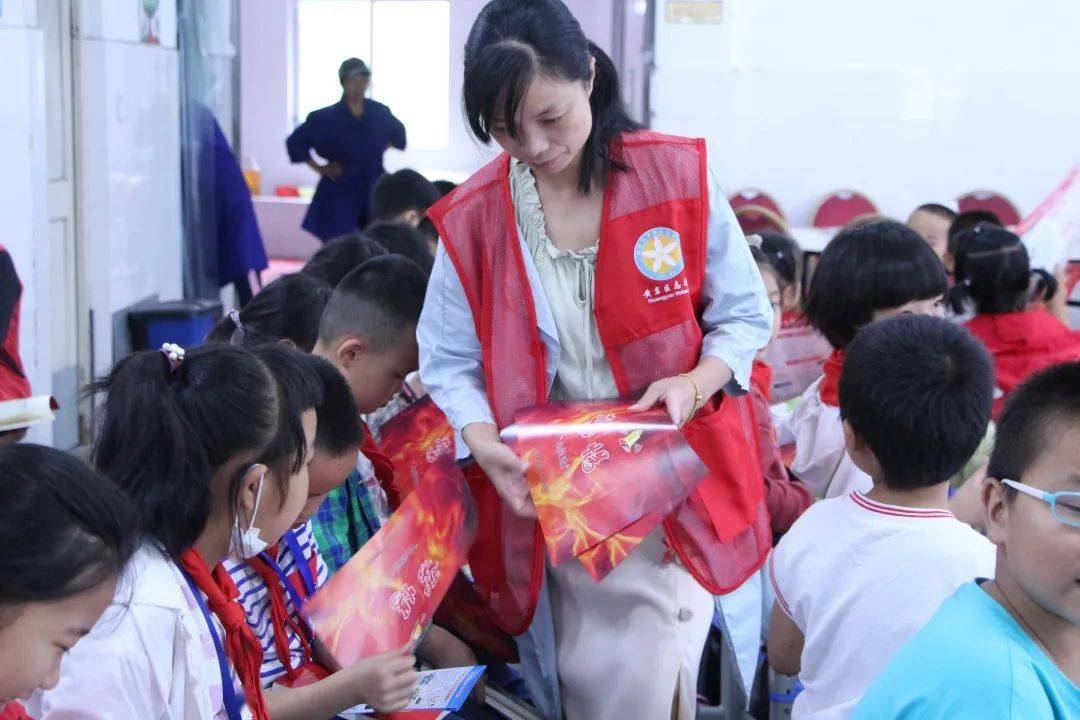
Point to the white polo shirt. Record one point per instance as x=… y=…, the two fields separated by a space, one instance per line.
x=859 y=578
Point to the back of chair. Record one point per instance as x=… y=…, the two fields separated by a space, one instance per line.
x=991 y=201
x=842 y=207
x=757 y=198
x=756 y=219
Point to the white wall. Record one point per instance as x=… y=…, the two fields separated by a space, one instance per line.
x=22 y=185
x=909 y=102
x=129 y=165
x=266 y=62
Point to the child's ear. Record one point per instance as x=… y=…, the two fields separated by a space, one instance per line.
x=997 y=510
x=788 y=297
x=286 y=342
x=350 y=349
x=247 y=497
x=412 y=217
x=859 y=451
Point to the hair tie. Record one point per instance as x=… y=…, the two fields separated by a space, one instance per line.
x=234 y=315
x=174 y=354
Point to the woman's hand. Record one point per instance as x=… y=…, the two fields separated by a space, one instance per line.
x=385 y=682
x=677 y=395
x=331 y=170
x=505 y=469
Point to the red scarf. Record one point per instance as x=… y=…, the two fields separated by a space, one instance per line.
x=383 y=466
x=241 y=645
x=281 y=620
x=830 y=386
x=14 y=711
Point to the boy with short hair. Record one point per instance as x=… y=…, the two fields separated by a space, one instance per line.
x=932 y=221
x=368 y=332
x=403 y=196
x=857 y=575
x=285 y=638
x=1009 y=647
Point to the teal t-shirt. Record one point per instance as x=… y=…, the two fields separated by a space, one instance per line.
x=972 y=660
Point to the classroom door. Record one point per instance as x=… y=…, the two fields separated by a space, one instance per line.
x=68 y=313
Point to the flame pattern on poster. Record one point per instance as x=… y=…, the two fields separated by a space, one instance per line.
x=385 y=597
x=602 y=478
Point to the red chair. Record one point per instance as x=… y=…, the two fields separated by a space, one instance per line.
x=842 y=207
x=757 y=198
x=756 y=219
x=992 y=202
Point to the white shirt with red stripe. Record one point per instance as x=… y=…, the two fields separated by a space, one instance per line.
x=859 y=578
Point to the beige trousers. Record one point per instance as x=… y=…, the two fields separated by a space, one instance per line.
x=627 y=643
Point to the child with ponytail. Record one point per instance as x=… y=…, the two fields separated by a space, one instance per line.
x=994 y=276
x=212 y=445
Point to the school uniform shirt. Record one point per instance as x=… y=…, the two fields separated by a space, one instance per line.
x=859 y=578
x=357 y=143
x=972 y=660
x=151 y=656
x=350 y=515
x=821 y=459
x=255 y=599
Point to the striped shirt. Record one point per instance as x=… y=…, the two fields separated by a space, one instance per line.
x=255 y=599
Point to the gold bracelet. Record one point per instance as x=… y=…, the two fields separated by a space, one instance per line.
x=698 y=399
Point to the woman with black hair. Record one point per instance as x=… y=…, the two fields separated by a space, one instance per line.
x=65 y=534
x=994 y=275
x=593 y=260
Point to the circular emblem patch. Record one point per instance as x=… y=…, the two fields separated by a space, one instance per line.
x=658 y=254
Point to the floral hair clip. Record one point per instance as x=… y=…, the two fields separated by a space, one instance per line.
x=754 y=240
x=174 y=354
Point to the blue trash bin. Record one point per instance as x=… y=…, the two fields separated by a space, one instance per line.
x=184 y=322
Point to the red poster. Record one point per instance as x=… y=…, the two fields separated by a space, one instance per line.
x=601 y=477
x=385 y=597
x=418 y=439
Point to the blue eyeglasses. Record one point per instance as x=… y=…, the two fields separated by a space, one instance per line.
x=1065 y=506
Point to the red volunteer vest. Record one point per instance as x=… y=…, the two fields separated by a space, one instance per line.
x=13 y=382
x=1022 y=343
x=650 y=268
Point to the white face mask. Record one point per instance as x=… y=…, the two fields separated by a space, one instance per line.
x=248 y=544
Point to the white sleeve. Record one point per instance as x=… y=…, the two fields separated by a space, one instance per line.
x=109 y=674
x=781 y=569
x=450 y=353
x=737 y=316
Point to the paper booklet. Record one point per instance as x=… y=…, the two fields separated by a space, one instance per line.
x=24 y=412
x=601 y=477
x=437 y=690
x=385 y=596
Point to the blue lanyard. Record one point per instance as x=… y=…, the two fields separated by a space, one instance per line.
x=228 y=690
x=298 y=558
x=301 y=564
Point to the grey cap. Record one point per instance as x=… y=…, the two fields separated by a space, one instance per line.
x=351 y=68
